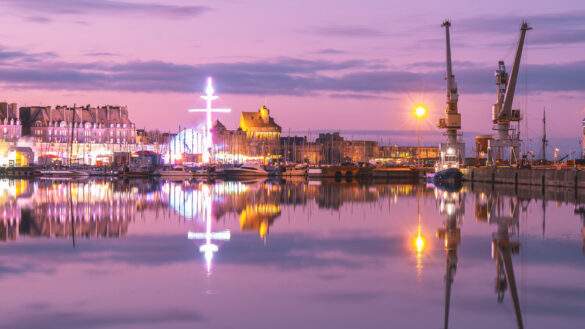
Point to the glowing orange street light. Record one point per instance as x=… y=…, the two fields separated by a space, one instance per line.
x=420 y=111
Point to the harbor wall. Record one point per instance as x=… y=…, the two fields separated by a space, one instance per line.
x=565 y=178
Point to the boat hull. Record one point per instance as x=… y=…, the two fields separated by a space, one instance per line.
x=449 y=178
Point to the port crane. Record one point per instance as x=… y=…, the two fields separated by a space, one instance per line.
x=452 y=121
x=502 y=113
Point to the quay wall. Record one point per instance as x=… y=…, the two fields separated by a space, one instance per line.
x=565 y=178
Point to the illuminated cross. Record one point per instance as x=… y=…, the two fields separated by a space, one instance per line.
x=209 y=97
x=208 y=248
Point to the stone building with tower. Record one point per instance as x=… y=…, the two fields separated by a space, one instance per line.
x=262 y=133
x=83 y=124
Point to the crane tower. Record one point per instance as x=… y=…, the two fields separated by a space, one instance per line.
x=452 y=121
x=507 y=138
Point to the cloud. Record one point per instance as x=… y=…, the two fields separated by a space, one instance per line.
x=443 y=65
x=11 y=56
x=100 y=54
x=505 y=23
x=557 y=28
x=345 y=31
x=358 y=79
x=358 y=96
x=84 y=7
x=39 y=19
x=330 y=51
x=558 y=37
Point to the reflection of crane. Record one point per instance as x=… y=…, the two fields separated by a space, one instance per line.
x=502 y=113
x=581 y=211
x=452 y=206
x=503 y=248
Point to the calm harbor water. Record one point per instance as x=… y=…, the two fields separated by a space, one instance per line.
x=268 y=254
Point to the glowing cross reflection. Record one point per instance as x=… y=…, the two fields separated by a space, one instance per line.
x=208 y=248
x=209 y=97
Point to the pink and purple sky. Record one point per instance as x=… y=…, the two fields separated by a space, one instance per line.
x=316 y=64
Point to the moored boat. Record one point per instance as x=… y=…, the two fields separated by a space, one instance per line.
x=174 y=172
x=447 y=169
x=245 y=170
x=63 y=173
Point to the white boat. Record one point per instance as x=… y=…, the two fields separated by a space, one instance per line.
x=245 y=170
x=64 y=173
x=174 y=172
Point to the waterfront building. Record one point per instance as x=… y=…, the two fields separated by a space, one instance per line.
x=360 y=151
x=229 y=145
x=299 y=150
x=10 y=125
x=331 y=147
x=61 y=124
x=407 y=154
x=262 y=133
x=141 y=136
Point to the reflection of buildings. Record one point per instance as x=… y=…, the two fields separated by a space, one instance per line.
x=259 y=217
x=451 y=205
x=65 y=209
x=257 y=204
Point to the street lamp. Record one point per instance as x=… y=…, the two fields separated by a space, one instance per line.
x=420 y=111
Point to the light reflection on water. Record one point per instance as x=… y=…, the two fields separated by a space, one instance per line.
x=151 y=254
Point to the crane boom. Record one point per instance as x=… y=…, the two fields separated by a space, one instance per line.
x=452 y=94
x=506 y=110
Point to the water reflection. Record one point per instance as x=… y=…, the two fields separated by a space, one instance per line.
x=342 y=244
x=208 y=248
x=68 y=209
x=490 y=208
x=105 y=208
x=452 y=206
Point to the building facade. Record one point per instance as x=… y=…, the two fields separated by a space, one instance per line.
x=262 y=133
x=227 y=144
x=10 y=126
x=62 y=124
